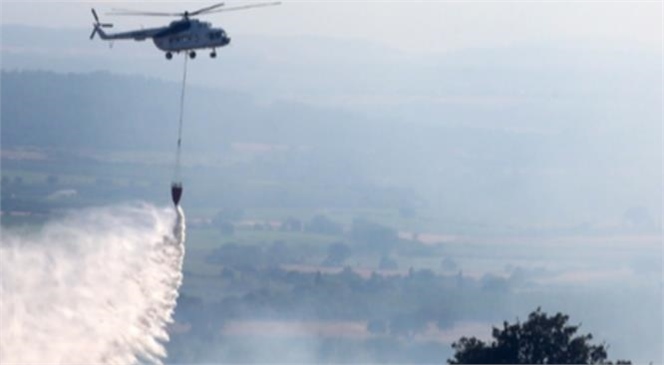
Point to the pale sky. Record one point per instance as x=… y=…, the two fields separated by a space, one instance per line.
x=420 y=26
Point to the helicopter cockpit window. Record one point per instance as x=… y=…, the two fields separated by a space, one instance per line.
x=215 y=35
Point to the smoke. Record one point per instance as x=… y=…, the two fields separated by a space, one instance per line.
x=96 y=287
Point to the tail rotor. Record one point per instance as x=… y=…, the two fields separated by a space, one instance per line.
x=97 y=25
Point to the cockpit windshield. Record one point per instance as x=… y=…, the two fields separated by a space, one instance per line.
x=217 y=34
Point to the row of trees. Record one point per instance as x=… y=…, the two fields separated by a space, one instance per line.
x=361 y=230
x=542 y=339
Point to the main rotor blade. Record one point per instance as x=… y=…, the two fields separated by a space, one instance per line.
x=94 y=14
x=146 y=13
x=242 y=7
x=206 y=9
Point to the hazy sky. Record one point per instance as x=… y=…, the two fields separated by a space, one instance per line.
x=422 y=26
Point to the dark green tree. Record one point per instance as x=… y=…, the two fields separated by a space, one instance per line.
x=542 y=339
x=337 y=254
x=373 y=236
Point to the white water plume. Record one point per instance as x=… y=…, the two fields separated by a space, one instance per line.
x=96 y=287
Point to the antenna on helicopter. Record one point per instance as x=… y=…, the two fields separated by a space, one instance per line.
x=96 y=25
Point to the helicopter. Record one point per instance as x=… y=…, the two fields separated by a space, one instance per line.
x=183 y=35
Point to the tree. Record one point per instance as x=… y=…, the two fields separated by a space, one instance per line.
x=374 y=236
x=225 y=227
x=449 y=264
x=542 y=339
x=279 y=253
x=408 y=325
x=323 y=225
x=387 y=263
x=291 y=224
x=337 y=254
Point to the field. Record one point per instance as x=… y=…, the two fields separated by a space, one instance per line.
x=337 y=277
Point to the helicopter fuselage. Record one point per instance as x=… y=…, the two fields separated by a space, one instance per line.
x=185 y=35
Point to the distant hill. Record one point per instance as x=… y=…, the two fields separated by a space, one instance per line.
x=551 y=83
x=539 y=131
x=97 y=110
x=106 y=111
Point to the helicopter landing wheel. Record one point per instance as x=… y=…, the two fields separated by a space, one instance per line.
x=169 y=55
x=213 y=54
x=192 y=55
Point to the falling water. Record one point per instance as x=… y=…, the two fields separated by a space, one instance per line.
x=98 y=286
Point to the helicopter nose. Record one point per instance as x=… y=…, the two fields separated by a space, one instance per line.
x=227 y=40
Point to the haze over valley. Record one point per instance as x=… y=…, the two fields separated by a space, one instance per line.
x=351 y=200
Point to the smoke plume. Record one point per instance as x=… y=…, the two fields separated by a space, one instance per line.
x=96 y=287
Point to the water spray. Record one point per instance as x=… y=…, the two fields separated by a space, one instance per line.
x=96 y=287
